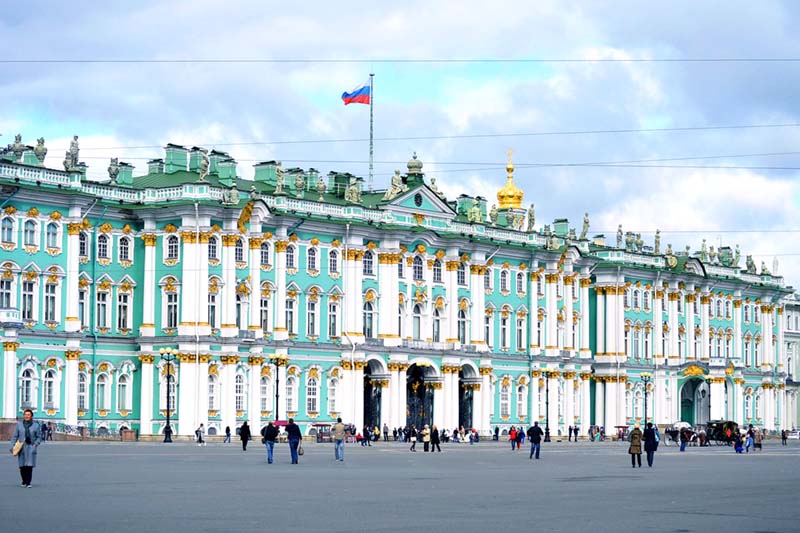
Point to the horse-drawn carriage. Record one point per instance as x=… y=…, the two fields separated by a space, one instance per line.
x=721 y=432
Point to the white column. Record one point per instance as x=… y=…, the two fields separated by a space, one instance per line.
x=611 y=394
x=228 y=391
x=534 y=408
x=600 y=345
x=10 y=385
x=254 y=395
x=585 y=347
x=478 y=306
x=146 y=395
x=281 y=332
x=477 y=410
x=388 y=283
x=569 y=323
x=658 y=327
x=717 y=391
x=705 y=301
x=551 y=339
x=487 y=399
x=201 y=400
x=439 y=405
x=254 y=324
x=673 y=328
x=394 y=385
x=552 y=411
x=599 y=402
x=611 y=321
x=147 y=327
x=358 y=398
x=690 y=299
x=187 y=395
x=72 y=321
x=737 y=330
x=569 y=394
x=189 y=283
x=780 y=357
x=228 y=323
x=586 y=403
x=402 y=397
x=451 y=287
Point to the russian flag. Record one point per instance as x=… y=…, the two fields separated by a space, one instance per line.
x=359 y=95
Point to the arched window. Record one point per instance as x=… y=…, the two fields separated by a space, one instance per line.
x=369 y=317
x=637 y=340
x=265 y=254
x=718 y=307
x=333 y=319
x=437 y=325
x=417 y=322
x=757 y=353
x=51 y=235
x=522 y=404
x=49 y=387
x=102 y=387
x=401 y=313
x=626 y=298
x=102 y=246
x=83 y=245
x=462 y=326
x=461 y=274
x=417 y=268
x=213 y=253
x=212 y=310
x=212 y=393
x=728 y=309
x=122 y=393
x=171 y=308
x=266 y=393
x=124 y=249
x=172 y=247
x=540 y=284
x=290 y=395
x=437 y=271
x=520 y=333
x=368 y=264
x=29 y=233
x=333 y=262
x=747 y=361
x=646 y=299
x=290 y=316
x=520 y=283
x=311 y=318
x=239 y=392
x=311 y=259
x=757 y=410
x=238 y=251
x=266 y=325
x=504 y=280
x=636 y=299
x=82 y=392
x=332 y=386
x=747 y=313
x=648 y=335
x=504 y=401
x=637 y=404
x=290 y=257
x=727 y=347
x=312 y=397
x=8 y=230
x=26 y=389
x=504 y=331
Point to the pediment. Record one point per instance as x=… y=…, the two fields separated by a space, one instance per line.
x=420 y=200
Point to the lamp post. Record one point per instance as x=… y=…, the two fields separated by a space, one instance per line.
x=168 y=355
x=646 y=378
x=547 y=406
x=278 y=360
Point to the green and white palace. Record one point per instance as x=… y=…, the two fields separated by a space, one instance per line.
x=300 y=294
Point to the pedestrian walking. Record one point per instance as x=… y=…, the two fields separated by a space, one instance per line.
x=757 y=438
x=394 y=434
x=412 y=436
x=497 y=433
x=367 y=436
x=512 y=437
x=684 y=439
x=426 y=437
x=25 y=442
x=227 y=435
x=244 y=434
x=199 y=433
x=784 y=436
x=651 y=439
x=635 y=448
x=338 y=433
x=748 y=441
x=435 y=439
x=535 y=438
x=520 y=437
x=293 y=435
x=385 y=432
x=569 y=430
x=268 y=435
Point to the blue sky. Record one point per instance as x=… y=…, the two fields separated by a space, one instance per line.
x=125 y=105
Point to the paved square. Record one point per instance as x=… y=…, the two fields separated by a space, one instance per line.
x=147 y=487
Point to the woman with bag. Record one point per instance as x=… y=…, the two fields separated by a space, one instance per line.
x=25 y=444
x=651 y=439
x=636 y=447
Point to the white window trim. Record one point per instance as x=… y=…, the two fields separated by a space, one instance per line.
x=131 y=248
x=59 y=235
x=165 y=249
x=37 y=233
x=128 y=392
x=56 y=404
x=15 y=239
x=58 y=291
x=106 y=394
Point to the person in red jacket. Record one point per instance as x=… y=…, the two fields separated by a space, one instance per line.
x=512 y=436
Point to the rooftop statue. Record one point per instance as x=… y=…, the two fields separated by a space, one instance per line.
x=630 y=241
x=299 y=185
x=585 y=228
x=396 y=188
x=669 y=250
x=40 y=151
x=736 y=256
x=712 y=255
x=531 y=218
x=639 y=242
x=205 y=163
x=67 y=161
x=751 y=265
x=321 y=188
x=475 y=215
x=552 y=242
x=703 y=252
x=113 y=169
x=619 y=236
x=493 y=214
x=230 y=196
x=687 y=249
x=436 y=190
x=279 y=177
x=353 y=194
x=764 y=270
x=253 y=192
x=74 y=151
x=657 y=246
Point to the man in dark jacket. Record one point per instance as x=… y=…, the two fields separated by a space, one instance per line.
x=650 y=443
x=244 y=434
x=293 y=435
x=535 y=438
x=269 y=434
x=435 y=439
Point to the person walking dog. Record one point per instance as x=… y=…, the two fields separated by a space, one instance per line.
x=25 y=445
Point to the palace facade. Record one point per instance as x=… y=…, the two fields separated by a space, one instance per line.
x=296 y=294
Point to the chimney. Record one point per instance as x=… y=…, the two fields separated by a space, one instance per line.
x=125 y=176
x=195 y=157
x=155 y=166
x=226 y=171
x=265 y=172
x=177 y=158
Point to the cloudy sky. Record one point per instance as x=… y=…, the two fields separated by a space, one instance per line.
x=255 y=111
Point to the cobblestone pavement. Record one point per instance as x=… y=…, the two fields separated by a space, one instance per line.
x=124 y=487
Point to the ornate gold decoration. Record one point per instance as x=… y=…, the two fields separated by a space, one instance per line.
x=693 y=371
x=244 y=216
x=485 y=371
x=149 y=239
x=11 y=346
x=510 y=196
x=419 y=218
x=170 y=228
x=33 y=212
x=10 y=210
x=229 y=359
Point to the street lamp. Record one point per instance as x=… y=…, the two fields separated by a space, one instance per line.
x=278 y=360
x=646 y=378
x=547 y=406
x=168 y=355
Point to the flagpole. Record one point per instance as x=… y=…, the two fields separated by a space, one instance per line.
x=371 y=147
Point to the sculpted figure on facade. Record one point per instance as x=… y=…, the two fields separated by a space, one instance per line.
x=764 y=270
x=531 y=217
x=230 y=196
x=657 y=244
x=475 y=215
x=712 y=255
x=629 y=241
x=585 y=228
x=639 y=242
x=736 y=256
x=353 y=194
x=619 y=236
x=279 y=177
x=493 y=214
x=436 y=190
x=113 y=169
x=40 y=151
x=397 y=187
x=703 y=252
x=205 y=163
x=18 y=147
x=750 y=265
x=669 y=250
x=253 y=192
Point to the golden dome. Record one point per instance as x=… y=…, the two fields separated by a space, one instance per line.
x=510 y=196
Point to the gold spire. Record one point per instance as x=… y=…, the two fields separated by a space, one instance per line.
x=510 y=196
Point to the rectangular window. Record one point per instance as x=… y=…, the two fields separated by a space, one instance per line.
x=172 y=309
x=102 y=309
x=520 y=334
x=333 y=311
x=27 y=300
x=212 y=310
x=265 y=325
x=82 y=314
x=290 y=316
x=312 y=319
x=50 y=302
x=122 y=310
